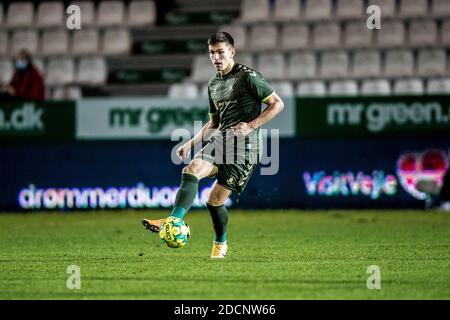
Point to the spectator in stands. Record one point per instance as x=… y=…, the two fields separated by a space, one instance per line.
x=27 y=83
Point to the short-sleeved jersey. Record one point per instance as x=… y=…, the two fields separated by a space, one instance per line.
x=237 y=97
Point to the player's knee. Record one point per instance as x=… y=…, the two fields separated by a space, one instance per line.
x=215 y=202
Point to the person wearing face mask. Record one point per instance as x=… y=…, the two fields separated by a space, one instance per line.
x=27 y=83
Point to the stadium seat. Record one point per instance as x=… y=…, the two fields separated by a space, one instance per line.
x=66 y=93
x=263 y=37
x=399 y=62
x=245 y=59
x=302 y=65
x=202 y=70
x=445 y=32
x=254 y=11
x=294 y=36
x=408 y=87
x=39 y=64
x=141 y=13
x=391 y=34
x=438 y=86
x=284 y=89
x=92 y=70
x=6 y=71
x=4 y=43
x=110 y=13
x=432 y=62
x=85 y=41
x=334 y=64
x=60 y=71
x=183 y=91
x=326 y=35
x=388 y=8
x=366 y=63
x=318 y=10
x=204 y=91
x=311 y=88
x=440 y=8
x=20 y=14
x=343 y=88
x=116 y=41
x=54 y=42
x=24 y=39
x=379 y=87
x=287 y=10
x=51 y=14
x=239 y=34
x=350 y=9
x=413 y=8
x=357 y=35
x=88 y=12
x=423 y=33
x=271 y=65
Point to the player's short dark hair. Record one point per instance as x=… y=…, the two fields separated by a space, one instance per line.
x=221 y=37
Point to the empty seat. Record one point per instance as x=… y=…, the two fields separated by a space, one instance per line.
x=239 y=34
x=408 y=87
x=440 y=8
x=326 y=35
x=271 y=65
x=6 y=71
x=88 y=12
x=67 y=93
x=334 y=64
x=357 y=35
x=294 y=36
x=343 y=88
x=24 y=39
x=423 y=33
x=110 y=13
x=263 y=37
x=388 y=8
x=311 y=88
x=20 y=14
x=254 y=10
x=302 y=65
x=60 y=71
x=183 y=91
x=366 y=63
x=399 y=62
x=51 y=14
x=141 y=13
x=204 y=91
x=245 y=59
x=379 y=87
x=92 y=71
x=348 y=9
x=318 y=9
x=413 y=8
x=445 y=32
x=4 y=43
x=284 y=89
x=391 y=34
x=54 y=42
x=432 y=62
x=286 y=10
x=438 y=86
x=85 y=41
x=116 y=41
x=202 y=70
x=39 y=64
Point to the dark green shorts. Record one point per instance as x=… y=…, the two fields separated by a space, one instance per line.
x=234 y=167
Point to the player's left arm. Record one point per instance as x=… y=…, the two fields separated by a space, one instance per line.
x=274 y=106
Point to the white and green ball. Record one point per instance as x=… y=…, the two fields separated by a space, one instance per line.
x=175 y=232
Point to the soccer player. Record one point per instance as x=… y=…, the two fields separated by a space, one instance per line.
x=234 y=143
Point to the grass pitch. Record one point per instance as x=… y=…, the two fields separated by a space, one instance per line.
x=272 y=255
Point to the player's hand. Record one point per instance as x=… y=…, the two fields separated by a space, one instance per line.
x=184 y=151
x=242 y=129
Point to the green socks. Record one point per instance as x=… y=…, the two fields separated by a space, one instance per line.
x=219 y=216
x=185 y=196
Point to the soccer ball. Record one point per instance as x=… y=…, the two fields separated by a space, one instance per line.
x=175 y=232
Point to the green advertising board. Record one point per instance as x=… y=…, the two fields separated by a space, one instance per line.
x=37 y=120
x=373 y=116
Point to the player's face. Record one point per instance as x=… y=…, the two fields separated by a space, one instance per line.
x=222 y=56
